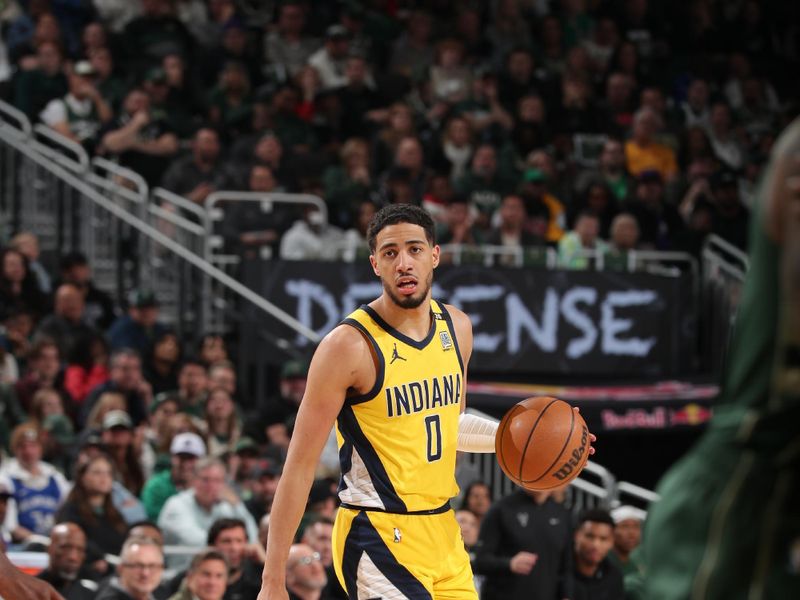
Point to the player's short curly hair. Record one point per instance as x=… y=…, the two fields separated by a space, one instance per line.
x=400 y=213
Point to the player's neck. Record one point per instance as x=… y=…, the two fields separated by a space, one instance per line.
x=412 y=322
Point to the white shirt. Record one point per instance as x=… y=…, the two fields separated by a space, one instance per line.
x=85 y=126
x=185 y=523
x=302 y=242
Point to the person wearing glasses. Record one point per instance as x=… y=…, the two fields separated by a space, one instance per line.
x=139 y=572
x=305 y=575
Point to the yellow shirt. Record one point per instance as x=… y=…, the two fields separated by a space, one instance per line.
x=397 y=443
x=654 y=157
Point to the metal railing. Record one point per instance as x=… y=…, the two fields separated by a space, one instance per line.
x=723 y=275
x=595 y=487
x=636 y=495
x=52 y=188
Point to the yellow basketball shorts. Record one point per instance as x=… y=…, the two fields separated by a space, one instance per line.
x=396 y=556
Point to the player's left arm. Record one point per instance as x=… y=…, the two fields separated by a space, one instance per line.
x=475 y=434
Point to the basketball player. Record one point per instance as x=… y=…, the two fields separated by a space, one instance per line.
x=392 y=377
x=728 y=524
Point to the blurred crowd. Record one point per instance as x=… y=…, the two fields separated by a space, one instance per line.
x=605 y=125
x=597 y=125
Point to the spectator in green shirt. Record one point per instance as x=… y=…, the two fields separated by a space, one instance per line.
x=185 y=449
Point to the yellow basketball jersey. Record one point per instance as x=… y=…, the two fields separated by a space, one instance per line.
x=397 y=443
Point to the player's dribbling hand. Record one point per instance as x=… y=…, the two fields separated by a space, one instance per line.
x=522 y=562
x=592 y=437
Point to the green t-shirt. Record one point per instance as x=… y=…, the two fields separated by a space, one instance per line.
x=158 y=489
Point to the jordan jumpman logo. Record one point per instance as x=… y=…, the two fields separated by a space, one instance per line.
x=395 y=355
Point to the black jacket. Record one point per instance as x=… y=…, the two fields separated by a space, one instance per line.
x=607 y=584
x=77 y=589
x=515 y=524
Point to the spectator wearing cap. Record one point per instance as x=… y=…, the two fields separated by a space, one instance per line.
x=539 y=201
x=330 y=61
x=140 y=139
x=628 y=521
x=185 y=449
x=660 y=223
x=594 y=575
x=66 y=325
x=188 y=515
x=731 y=216
x=244 y=463
x=99 y=311
x=643 y=152
x=198 y=174
x=80 y=114
x=38 y=488
x=271 y=422
x=266 y=484
x=140 y=327
x=118 y=438
x=90 y=506
x=125 y=377
x=67 y=557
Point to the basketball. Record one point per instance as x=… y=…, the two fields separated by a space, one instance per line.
x=542 y=443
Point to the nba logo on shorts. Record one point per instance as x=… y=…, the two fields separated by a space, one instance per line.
x=447 y=343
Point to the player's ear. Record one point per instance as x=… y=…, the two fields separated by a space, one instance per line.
x=373 y=261
x=436 y=252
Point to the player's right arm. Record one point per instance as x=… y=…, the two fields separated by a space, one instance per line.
x=341 y=362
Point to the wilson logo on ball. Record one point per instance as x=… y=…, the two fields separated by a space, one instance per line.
x=568 y=467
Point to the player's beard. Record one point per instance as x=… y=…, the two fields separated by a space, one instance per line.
x=413 y=301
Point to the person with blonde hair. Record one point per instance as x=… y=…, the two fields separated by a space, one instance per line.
x=37 y=488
